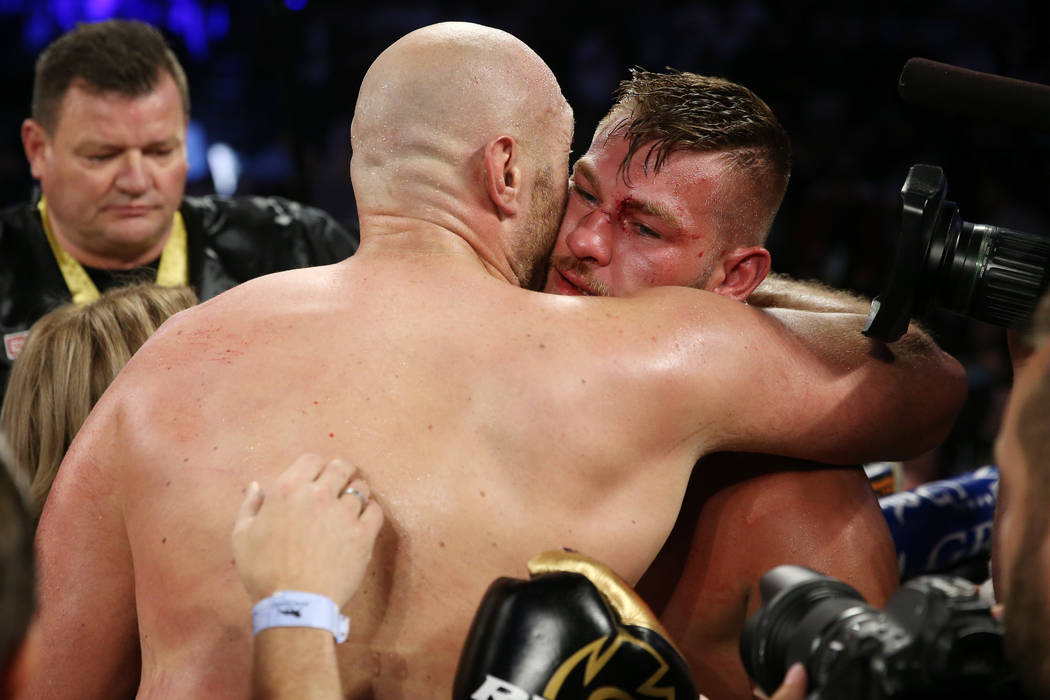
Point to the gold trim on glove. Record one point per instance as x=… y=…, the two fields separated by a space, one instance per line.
x=631 y=609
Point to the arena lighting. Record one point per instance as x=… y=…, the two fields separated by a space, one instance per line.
x=225 y=167
x=196 y=22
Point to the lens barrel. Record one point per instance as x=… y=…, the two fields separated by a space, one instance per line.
x=989 y=273
x=798 y=605
x=996 y=274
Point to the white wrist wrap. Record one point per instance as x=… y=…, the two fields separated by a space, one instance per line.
x=300 y=609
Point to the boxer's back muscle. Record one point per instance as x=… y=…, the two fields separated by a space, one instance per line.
x=480 y=435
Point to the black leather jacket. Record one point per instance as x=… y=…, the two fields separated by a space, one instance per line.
x=229 y=240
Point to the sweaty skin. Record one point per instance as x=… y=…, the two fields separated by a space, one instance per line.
x=729 y=533
x=491 y=422
x=743 y=514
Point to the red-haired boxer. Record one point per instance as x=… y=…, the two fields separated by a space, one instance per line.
x=491 y=422
x=680 y=187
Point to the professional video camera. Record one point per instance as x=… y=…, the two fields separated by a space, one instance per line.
x=936 y=638
x=985 y=272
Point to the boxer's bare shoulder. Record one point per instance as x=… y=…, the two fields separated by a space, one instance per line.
x=827 y=520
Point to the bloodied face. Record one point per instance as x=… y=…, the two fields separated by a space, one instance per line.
x=623 y=232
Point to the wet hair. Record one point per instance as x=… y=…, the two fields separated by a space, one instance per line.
x=70 y=357
x=666 y=113
x=17 y=589
x=126 y=57
x=677 y=111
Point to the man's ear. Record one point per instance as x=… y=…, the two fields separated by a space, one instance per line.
x=742 y=270
x=35 y=143
x=503 y=175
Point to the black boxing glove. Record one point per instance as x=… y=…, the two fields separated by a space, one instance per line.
x=572 y=630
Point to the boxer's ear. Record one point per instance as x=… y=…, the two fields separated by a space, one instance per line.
x=503 y=175
x=740 y=271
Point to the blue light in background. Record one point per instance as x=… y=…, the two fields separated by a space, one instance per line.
x=225 y=166
x=66 y=12
x=196 y=151
x=36 y=31
x=218 y=21
x=186 y=18
x=149 y=12
x=295 y=5
x=10 y=7
x=196 y=21
x=96 y=10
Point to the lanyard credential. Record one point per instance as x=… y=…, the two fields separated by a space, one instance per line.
x=172 y=271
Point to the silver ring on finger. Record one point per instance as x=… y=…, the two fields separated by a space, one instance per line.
x=360 y=496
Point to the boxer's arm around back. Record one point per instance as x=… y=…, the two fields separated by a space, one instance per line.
x=802 y=384
x=87 y=619
x=941 y=385
x=783 y=292
x=914 y=390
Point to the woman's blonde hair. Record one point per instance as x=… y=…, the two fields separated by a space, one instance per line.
x=70 y=357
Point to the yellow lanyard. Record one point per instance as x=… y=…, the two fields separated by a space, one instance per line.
x=172 y=271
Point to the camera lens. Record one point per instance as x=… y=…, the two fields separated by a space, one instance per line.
x=799 y=605
x=989 y=273
x=935 y=639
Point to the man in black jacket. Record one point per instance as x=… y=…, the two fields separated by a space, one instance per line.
x=107 y=141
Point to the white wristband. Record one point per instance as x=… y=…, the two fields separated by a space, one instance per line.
x=300 y=609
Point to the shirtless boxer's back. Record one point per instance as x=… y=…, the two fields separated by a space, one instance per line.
x=492 y=423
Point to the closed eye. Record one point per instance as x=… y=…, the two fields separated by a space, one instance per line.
x=583 y=194
x=646 y=231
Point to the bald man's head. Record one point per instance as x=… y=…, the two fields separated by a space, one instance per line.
x=464 y=80
x=429 y=107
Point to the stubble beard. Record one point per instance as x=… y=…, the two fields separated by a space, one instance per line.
x=539 y=233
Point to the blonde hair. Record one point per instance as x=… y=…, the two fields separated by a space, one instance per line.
x=17 y=579
x=70 y=357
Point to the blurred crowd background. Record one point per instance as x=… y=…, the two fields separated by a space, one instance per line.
x=273 y=85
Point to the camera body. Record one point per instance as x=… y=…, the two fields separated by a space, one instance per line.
x=936 y=638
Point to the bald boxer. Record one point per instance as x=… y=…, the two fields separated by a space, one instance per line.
x=492 y=423
x=680 y=186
